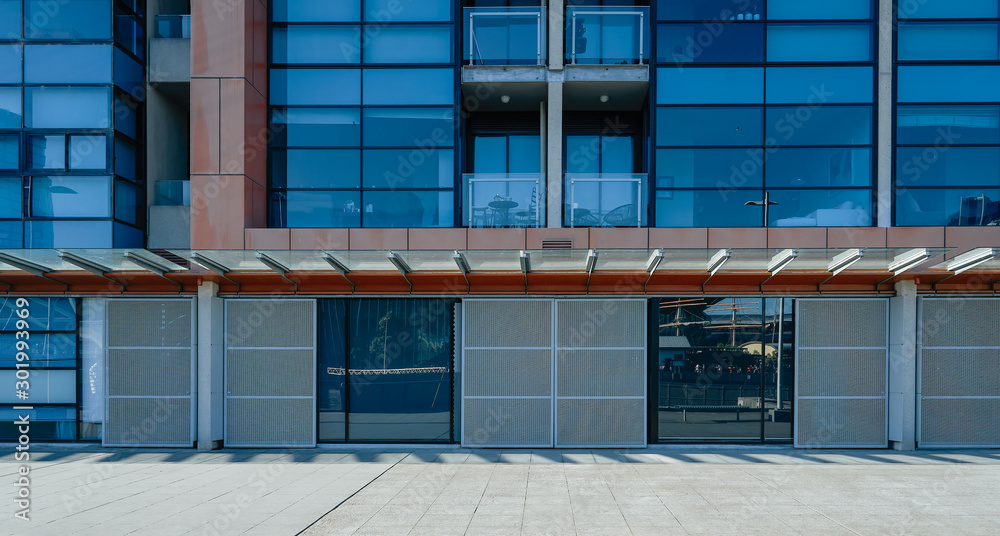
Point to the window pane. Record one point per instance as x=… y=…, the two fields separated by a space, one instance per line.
x=525 y=154
x=426 y=127
x=951 y=83
x=125 y=159
x=959 y=41
x=88 y=152
x=315 y=168
x=400 y=335
x=316 y=44
x=68 y=234
x=821 y=125
x=331 y=389
x=617 y=154
x=697 y=43
x=709 y=168
x=47 y=314
x=129 y=34
x=45 y=349
x=818 y=85
x=10 y=19
x=583 y=154
x=947 y=125
x=76 y=19
x=409 y=86
x=947 y=207
x=819 y=168
x=10 y=107
x=409 y=209
x=127 y=202
x=48 y=152
x=710 y=85
x=797 y=9
x=396 y=11
x=816 y=42
x=11 y=233
x=820 y=208
x=52 y=423
x=126 y=117
x=490 y=154
x=71 y=197
x=9 y=152
x=948 y=166
x=58 y=107
x=10 y=198
x=708 y=208
x=708 y=126
x=10 y=61
x=409 y=168
x=47 y=386
x=316 y=10
x=129 y=75
x=704 y=9
x=316 y=127
x=948 y=9
x=67 y=64
x=127 y=236
x=315 y=209
x=410 y=44
x=315 y=86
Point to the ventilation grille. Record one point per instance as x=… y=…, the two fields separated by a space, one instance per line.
x=604 y=422
x=601 y=323
x=848 y=372
x=508 y=422
x=164 y=422
x=843 y=323
x=176 y=259
x=557 y=243
x=962 y=422
x=960 y=322
x=841 y=422
x=270 y=422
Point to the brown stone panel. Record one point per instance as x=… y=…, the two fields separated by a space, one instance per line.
x=440 y=239
x=320 y=239
x=856 y=237
x=218 y=31
x=915 y=237
x=257 y=216
x=737 y=237
x=258 y=73
x=205 y=133
x=267 y=239
x=579 y=236
x=218 y=206
x=378 y=239
x=255 y=136
x=619 y=238
x=796 y=237
x=496 y=239
x=694 y=238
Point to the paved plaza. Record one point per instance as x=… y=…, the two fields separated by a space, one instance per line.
x=655 y=491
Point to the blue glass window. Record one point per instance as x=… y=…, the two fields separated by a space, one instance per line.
x=709 y=168
x=127 y=202
x=682 y=44
x=48 y=152
x=821 y=208
x=331 y=392
x=409 y=86
x=71 y=197
x=45 y=349
x=129 y=75
x=948 y=9
x=400 y=11
x=819 y=42
x=705 y=9
x=58 y=107
x=316 y=86
x=397 y=127
x=10 y=63
x=820 y=125
x=954 y=41
x=316 y=168
x=127 y=236
x=75 y=19
x=525 y=155
x=11 y=233
x=10 y=198
x=708 y=126
x=409 y=168
x=947 y=207
x=125 y=159
x=129 y=34
x=88 y=152
x=9 y=152
x=316 y=127
x=68 y=234
x=10 y=19
x=316 y=209
x=819 y=168
x=10 y=107
x=47 y=314
x=51 y=423
x=409 y=209
x=410 y=44
x=947 y=125
x=948 y=166
x=316 y=10
x=819 y=85
x=947 y=83
x=797 y=9
x=316 y=44
x=710 y=85
x=126 y=117
x=718 y=207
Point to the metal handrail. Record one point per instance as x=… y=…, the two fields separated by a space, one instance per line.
x=504 y=177
x=639 y=14
x=474 y=43
x=572 y=193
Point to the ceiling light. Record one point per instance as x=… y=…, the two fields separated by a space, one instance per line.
x=605 y=98
x=971 y=259
x=721 y=257
x=844 y=260
x=505 y=98
x=908 y=260
x=781 y=260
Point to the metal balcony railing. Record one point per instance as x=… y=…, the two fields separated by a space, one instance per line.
x=606 y=200
x=607 y=35
x=505 y=36
x=173 y=26
x=504 y=200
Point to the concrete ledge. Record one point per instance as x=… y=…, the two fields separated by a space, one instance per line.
x=169 y=60
x=169 y=227
x=503 y=73
x=607 y=73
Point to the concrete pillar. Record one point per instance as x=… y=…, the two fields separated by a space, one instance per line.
x=557 y=37
x=903 y=366
x=554 y=155
x=885 y=109
x=211 y=367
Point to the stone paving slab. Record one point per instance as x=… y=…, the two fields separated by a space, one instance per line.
x=440 y=491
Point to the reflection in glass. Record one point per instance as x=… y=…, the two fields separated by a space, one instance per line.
x=955 y=41
x=316 y=127
x=410 y=45
x=409 y=86
x=71 y=197
x=947 y=83
x=821 y=208
x=817 y=168
x=316 y=10
x=947 y=166
x=315 y=44
x=966 y=207
x=62 y=107
x=708 y=126
x=708 y=10
x=709 y=168
x=76 y=19
x=312 y=87
x=68 y=234
x=315 y=209
x=710 y=85
x=315 y=168
x=681 y=44
x=10 y=59
x=819 y=42
x=409 y=209
x=401 y=127
x=707 y=208
x=796 y=9
x=821 y=125
x=89 y=64
x=409 y=168
x=948 y=9
x=331 y=388
x=819 y=85
x=10 y=107
x=10 y=198
x=947 y=125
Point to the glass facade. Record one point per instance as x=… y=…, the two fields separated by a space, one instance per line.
x=764 y=98
x=947 y=153
x=363 y=100
x=71 y=90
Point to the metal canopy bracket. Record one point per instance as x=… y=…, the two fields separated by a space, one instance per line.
x=152 y=266
x=214 y=266
x=338 y=266
x=90 y=266
x=281 y=269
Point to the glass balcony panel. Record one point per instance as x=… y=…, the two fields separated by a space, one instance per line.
x=505 y=36
x=503 y=200
x=606 y=200
x=173 y=193
x=607 y=35
x=173 y=26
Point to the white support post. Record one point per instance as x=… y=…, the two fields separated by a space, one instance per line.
x=211 y=367
x=903 y=366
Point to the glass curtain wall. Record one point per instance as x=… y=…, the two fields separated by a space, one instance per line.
x=947 y=113
x=724 y=369
x=385 y=370
x=763 y=98
x=363 y=104
x=71 y=143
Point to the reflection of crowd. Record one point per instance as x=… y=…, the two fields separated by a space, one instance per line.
x=717 y=368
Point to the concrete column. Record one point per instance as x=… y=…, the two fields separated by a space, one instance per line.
x=211 y=367
x=885 y=109
x=554 y=156
x=557 y=33
x=903 y=366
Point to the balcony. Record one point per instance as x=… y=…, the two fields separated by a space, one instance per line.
x=607 y=35
x=173 y=26
x=170 y=215
x=170 y=50
x=505 y=36
x=504 y=200
x=606 y=200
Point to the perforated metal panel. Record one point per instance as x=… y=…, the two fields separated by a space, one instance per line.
x=959 y=367
x=507 y=422
x=601 y=323
x=270 y=373
x=600 y=422
x=150 y=373
x=841 y=364
x=508 y=323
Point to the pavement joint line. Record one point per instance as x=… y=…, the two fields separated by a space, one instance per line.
x=359 y=490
